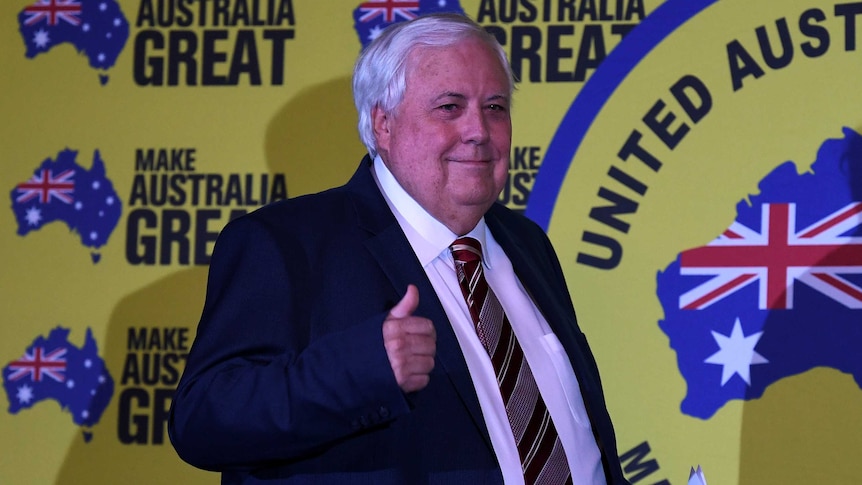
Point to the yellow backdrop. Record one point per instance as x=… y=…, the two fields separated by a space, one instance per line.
x=199 y=114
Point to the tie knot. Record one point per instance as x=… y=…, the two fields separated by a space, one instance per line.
x=467 y=250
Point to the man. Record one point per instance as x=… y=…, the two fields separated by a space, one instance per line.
x=345 y=338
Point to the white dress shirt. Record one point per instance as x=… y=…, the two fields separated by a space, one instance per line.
x=430 y=240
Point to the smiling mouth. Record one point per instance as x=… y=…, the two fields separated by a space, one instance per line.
x=471 y=161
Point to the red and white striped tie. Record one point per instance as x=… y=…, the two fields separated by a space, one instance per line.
x=542 y=456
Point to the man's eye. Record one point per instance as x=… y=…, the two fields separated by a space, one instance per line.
x=496 y=107
x=449 y=107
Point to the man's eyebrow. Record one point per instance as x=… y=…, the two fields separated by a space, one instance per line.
x=453 y=94
x=449 y=94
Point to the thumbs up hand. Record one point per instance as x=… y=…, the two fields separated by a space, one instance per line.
x=410 y=343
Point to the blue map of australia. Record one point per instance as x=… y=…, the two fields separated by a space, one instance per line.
x=96 y=28
x=62 y=190
x=370 y=18
x=52 y=369
x=779 y=291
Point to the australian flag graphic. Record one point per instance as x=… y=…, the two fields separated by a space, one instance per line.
x=779 y=292
x=372 y=16
x=54 y=369
x=62 y=190
x=97 y=28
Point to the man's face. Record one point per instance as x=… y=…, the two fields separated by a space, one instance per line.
x=448 y=141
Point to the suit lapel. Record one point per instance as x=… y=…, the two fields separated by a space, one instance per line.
x=544 y=288
x=538 y=279
x=533 y=275
x=389 y=246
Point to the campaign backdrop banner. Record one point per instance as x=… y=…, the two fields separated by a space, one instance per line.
x=695 y=162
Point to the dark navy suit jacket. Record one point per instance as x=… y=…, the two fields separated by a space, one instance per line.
x=288 y=380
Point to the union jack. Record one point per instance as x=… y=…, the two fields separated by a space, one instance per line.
x=35 y=364
x=45 y=186
x=53 y=11
x=407 y=9
x=777 y=256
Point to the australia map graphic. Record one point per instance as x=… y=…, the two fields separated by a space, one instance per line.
x=371 y=17
x=53 y=369
x=779 y=291
x=95 y=28
x=63 y=191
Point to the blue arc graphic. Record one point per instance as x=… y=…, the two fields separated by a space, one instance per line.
x=593 y=96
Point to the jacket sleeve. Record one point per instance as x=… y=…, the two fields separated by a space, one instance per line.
x=265 y=381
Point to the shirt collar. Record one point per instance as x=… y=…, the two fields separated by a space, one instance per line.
x=429 y=237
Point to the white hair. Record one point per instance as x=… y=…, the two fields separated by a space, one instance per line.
x=379 y=76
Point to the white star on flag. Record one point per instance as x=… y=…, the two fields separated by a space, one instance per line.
x=736 y=354
x=374 y=32
x=25 y=394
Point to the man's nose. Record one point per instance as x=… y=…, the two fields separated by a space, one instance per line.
x=474 y=128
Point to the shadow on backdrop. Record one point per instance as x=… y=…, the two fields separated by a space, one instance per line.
x=806 y=427
x=313 y=140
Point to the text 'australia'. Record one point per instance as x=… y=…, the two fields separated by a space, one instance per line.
x=177 y=213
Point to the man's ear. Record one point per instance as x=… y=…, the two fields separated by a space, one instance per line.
x=380 y=125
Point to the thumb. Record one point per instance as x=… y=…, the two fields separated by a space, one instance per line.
x=407 y=305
